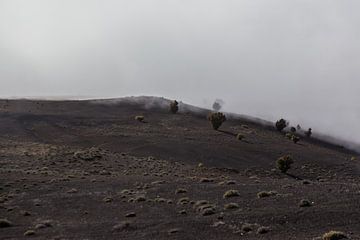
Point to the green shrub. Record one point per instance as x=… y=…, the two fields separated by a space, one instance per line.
x=295 y=139
x=217 y=119
x=174 y=107
x=281 y=124
x=284 y=163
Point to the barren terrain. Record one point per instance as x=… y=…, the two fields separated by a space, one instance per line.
x=89 y=170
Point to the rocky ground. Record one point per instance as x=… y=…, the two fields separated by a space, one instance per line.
x=89 y=170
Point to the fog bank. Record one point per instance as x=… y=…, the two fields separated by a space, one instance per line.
x=270 y=59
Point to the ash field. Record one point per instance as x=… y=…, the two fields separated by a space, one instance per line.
x=88 y=170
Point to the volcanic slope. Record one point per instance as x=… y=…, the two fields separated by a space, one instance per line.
x=89 y=170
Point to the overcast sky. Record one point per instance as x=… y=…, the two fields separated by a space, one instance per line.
x=297 y=59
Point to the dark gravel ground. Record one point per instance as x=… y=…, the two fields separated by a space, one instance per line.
x=88 y=170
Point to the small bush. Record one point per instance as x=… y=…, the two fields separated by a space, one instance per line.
x=217 y=119
x=263 y=230
x=284 y=163
x=295 y=139
x=206 y=209
x=305 y=203
x=180 y=190
x=240 y=137
x=174 y=107
x=5 y=223
x=140 y=118
x=246 y=227
x=183 y=201
x=308 y=133
x=293 y=129
x=334 y=235
x=289 y=135
x=29 y=233
x=281 y=124
x=231 y=206
x=264 y=194
x=231 y=193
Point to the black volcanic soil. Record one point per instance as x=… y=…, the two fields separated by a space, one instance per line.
x=88 y=170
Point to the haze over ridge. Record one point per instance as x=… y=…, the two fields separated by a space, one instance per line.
x=270 y=59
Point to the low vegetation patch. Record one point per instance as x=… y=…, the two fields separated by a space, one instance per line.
x=308 y=133
x=140 y=118
x=305 y=203
x=247 y=227
x=231 y=193
x=231 y=206
x=334 y=235
x=295 y=139
x=264 y=194
x=216 y=119
x=122 y=226
x=29 y=233
x=281 y=124
x=284 y=163
x=5 y=223
x=180 y=190
x=174 y=107
x=263 y=230
x=207 y=209
x=240 y=137
x=183 y=201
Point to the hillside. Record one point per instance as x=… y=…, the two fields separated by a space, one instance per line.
x=89 y=170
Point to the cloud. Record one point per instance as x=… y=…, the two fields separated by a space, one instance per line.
x=293 y=59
